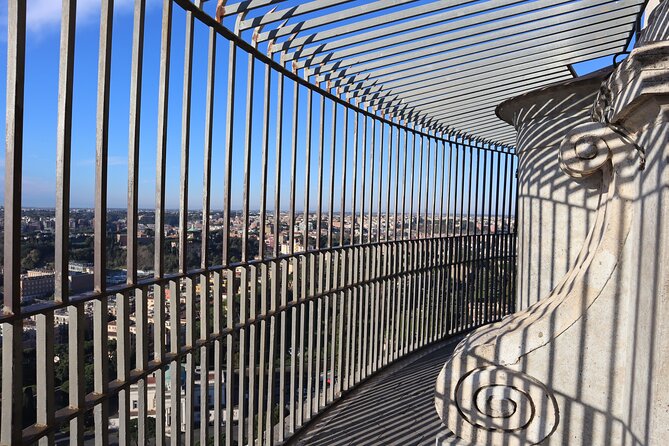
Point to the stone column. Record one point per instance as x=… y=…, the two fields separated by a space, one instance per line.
x=549 y=203
x=588 y=364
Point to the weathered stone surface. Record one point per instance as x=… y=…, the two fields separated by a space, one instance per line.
x=587 y=363
x=548 y=202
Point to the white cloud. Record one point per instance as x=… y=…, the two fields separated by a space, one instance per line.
x=45 y=14
x=112 y=160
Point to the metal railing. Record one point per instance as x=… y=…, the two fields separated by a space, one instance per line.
x=406 y=236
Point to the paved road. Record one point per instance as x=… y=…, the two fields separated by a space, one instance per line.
x=394 y=408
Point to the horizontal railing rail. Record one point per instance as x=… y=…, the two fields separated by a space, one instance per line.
x=343 y=242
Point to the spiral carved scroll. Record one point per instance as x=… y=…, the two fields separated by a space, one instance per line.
x=500 y=402
x=585 y=149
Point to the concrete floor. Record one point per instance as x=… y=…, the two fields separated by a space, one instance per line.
x=394 y=408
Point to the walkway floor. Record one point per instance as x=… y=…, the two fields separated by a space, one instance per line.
x=394 y=408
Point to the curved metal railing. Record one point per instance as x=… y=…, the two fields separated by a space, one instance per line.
x=405 y=236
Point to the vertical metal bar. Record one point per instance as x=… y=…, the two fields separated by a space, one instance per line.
x=277 y=186
x=490 y=239
x=264 y=268
x=354 y=192
x=496 y=240
x=372 y=290
x=159 y=241
x=282 y=350
x=397 y=182
x=412 y=183
x=344 y=156
x=264 y=160
x=225 y=256
x=461 y=239
x=510 y=235
x=175 y=365
x=428 y=245
x=355 y=328
x=337 y=282
x=307 y=171
x=63 y=149
x=123 y=362
x=133 y=185
x=388 y=258
x=378 y=211
x=241 y=358
x=434 y=245
x=353 y=273
x=293 y=168
x=77 y=392
x=434 y=186
x=404 y=188
x=488 y=243
x=454 y=245
x=477 y=248
x=332 y=279
x=134 y=137
x=371 y=180
x=448 y=252
x=443 y=296
x=443 y=187
x=204 y=359
x=467 y=242
x=44 y=374
x=364 y=258
x=361 y=237
x=319 y=209
x=248 y=131
x=502 y=234
x=333 y=151
x=253 y=285
x=291 y=249
x=514 y=249
x=300 y=291
x=318 y=398
x=397 y=253
x=205 y=290
x=189 y=403
x=359 y=293
x=183 y=239
x=411 y=251
x=326 y=338
x=262 y=355
x=269 y=418
x=229 y=147
x=229 y=352
x=419 y=245
x=310 y=343
x=61 y=254
x=159 y=329
x=420 y=184
x=321 y=135
x=480 y=245
x=343 y=253
x=141 y=363
x=389 y=181
x=100 y=312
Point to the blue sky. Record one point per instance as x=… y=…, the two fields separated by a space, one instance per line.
x=42 y=50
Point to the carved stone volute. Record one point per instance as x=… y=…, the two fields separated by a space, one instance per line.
x=584 y=364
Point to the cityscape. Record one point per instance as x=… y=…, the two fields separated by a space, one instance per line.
x=37 y=278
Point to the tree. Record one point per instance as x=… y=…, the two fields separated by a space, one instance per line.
x=32 y=260
x=150 y=427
